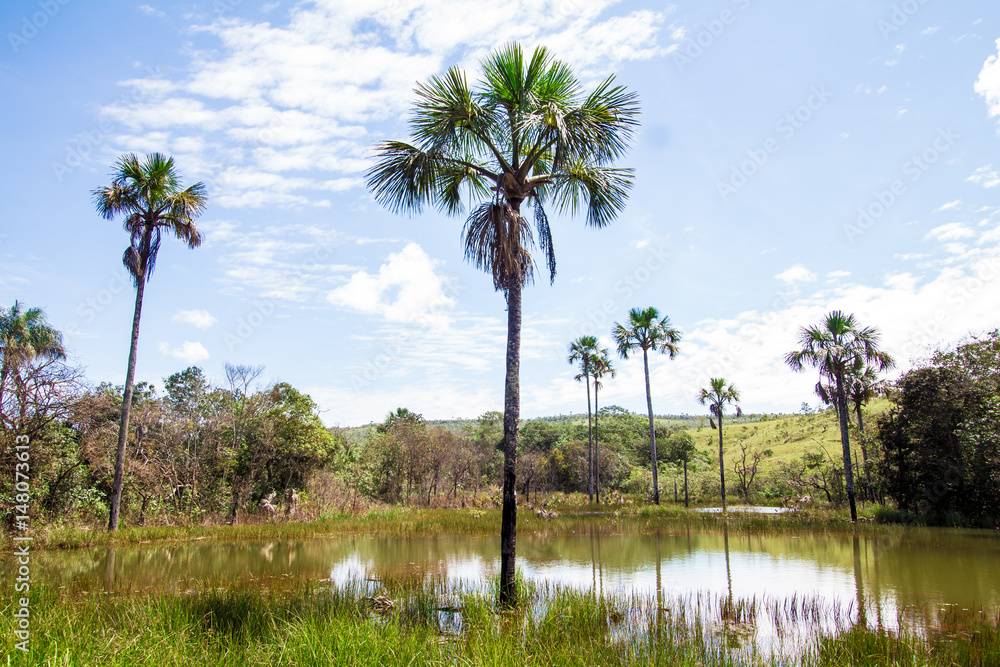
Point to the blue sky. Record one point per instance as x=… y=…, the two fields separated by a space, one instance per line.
x=793 y=158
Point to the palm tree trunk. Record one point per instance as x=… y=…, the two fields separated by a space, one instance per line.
x=864 y=452
x=722 y=466
x=597 y=451
x=116 y=491
x=511 y=416
x=685 y=483
x=652 y=428
x=845 y=441
x=590 y=441
x=3 y=383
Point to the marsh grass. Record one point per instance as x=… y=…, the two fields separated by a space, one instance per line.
x=413 y=620
x=572 y=516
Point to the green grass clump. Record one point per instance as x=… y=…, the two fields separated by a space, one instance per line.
x=412 y=620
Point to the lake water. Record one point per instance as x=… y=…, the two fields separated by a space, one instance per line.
x=915 y=577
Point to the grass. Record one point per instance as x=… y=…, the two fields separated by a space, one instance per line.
x=572 y=514
x=417 y=621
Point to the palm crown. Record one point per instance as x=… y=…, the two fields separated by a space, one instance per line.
x=717 y=395
x=525 y=132
x=838 y=346
x=646 y=330
x=148 y=194
x=25 y=334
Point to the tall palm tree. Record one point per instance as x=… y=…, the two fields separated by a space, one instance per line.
x=582 y=351
x=147 y=193
x=524 y=135
x=647 y=331
x=716 y=396
x=602 y=366
x=24 y=336
x=864 y=384
x=837 y=346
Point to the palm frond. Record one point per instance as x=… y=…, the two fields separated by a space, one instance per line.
x=496 y=239
x=545 y=240
x=601 y=190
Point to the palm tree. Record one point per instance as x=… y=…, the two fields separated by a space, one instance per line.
x=647 y=331
x=525 y=135
x=716 y=397
x=601 y=367
x=837 y=346
x=583 y=350
x=148 y=195
x=24 y=336
x=864 y=384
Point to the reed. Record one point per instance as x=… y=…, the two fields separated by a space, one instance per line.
x=411 y=620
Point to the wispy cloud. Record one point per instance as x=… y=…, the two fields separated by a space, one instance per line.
x=190 y=352
x=796 y=274
x=985 y=176
x=199 y=318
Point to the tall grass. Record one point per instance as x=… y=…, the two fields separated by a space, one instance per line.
x=428 y=621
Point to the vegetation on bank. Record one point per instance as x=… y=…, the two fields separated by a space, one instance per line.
x=413 y=621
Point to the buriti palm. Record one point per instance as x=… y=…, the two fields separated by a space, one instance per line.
x=525 y=136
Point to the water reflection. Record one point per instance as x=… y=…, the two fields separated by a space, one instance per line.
x=913 y=577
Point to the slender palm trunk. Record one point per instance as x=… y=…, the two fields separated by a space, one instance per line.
x=116 y=491
x=597 y=448
x=590 y=440
x=864 y=451
x=845 y=441
x=722 y=465
x=3 y=384
x=652 y=428
x=685 y=483
x=511 y=416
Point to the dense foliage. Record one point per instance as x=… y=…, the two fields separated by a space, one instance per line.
x=939 y=447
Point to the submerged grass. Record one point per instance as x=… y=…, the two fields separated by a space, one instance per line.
x=571 y=516
x=428 y=621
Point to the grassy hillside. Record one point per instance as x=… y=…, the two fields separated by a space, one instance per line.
x=788 y=436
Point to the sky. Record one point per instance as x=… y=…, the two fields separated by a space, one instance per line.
x=793 y=158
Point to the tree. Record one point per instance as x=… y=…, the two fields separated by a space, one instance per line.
x=681 y=448
x=583 y=350
x=24 y=336
x=716 y=396
x=837 y=346
x=864 y=384
x=647 y=331
x=601 y=367
x=149 y=196
x=525 y=135
x=937 y=451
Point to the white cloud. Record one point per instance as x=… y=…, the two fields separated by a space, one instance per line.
x=929 y=30
x=947 y=207
x=189 y=352
x=834 y=275
x=405 y=289
x=281 y=112
x=199 y=318
x=796 y=274
x=985 y=176
x=950 y=232
x=150 y=11
x=988 y=83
